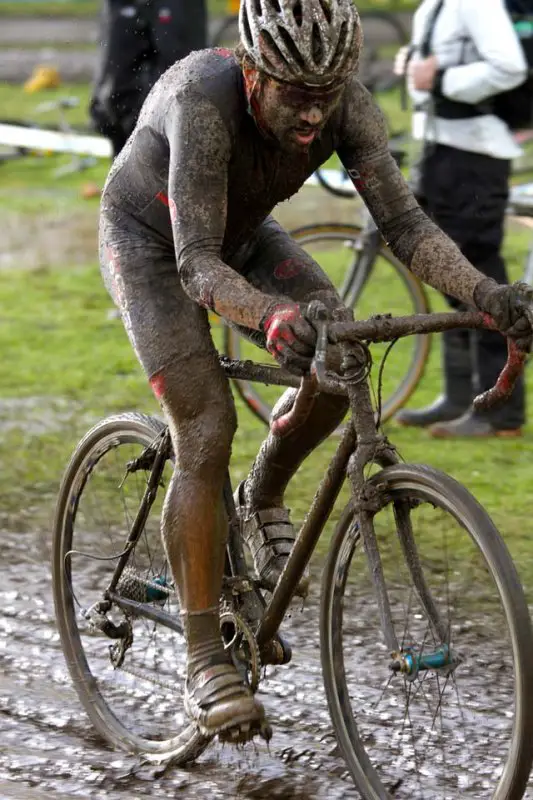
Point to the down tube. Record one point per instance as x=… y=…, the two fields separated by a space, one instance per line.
x=308 y=537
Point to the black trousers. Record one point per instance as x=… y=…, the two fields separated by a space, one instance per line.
x=140 y=39
x=466 y=195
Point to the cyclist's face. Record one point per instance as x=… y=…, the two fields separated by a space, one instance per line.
x=296 y=115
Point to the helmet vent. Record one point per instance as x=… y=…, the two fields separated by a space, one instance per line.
x=276 y=4
x=326 y=9
x=291 y=47
x=339 y=53
x=247 y=33
x=316 y=44
x=258 y=8
x=298 y=14
x=270 y=50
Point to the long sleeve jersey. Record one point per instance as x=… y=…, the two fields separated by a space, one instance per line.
x=198 y=176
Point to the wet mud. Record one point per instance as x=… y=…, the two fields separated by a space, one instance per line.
x=49 y=748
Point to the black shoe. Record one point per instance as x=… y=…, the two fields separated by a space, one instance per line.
x=471 y=425
x=442 y=410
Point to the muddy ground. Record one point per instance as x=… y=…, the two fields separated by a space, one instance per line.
x=48 y=747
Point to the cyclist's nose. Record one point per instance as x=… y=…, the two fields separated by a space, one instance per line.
x=313 y=116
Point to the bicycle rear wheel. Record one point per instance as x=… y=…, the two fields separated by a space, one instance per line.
x=390 y=288
x=459 y=723
x=135 y=704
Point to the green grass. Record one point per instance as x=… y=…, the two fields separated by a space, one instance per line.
x=15 y=103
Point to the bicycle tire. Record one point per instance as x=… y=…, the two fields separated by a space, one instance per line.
x=254 y=395
x=347 y=193
x=396 y=483
x=107 y=436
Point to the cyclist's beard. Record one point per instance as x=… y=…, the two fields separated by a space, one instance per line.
x=288 y=130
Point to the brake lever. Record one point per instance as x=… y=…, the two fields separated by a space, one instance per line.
x=309 y=385
x=513 y=368
x=317 y=314
x=318 y=365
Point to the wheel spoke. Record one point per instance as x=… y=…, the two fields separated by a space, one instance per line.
x=445 y=725
x=137 y=700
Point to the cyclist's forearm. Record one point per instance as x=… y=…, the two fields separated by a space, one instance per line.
x=215 y=286
x=438 y=262
x=431 y=255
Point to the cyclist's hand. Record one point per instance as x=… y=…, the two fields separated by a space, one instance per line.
x=290 y=338
x=506 y=306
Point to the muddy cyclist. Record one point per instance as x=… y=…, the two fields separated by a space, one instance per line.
x=186 y=228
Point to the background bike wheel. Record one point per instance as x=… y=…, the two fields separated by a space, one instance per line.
x=391 y=288
x=137 y=706
x=462 y=734
x=336 y=182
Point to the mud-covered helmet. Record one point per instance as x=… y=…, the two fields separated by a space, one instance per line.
x=311 y=42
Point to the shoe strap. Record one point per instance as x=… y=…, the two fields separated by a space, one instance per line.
x=216 y=684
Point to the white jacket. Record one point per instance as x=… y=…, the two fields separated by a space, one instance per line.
x=475 y=44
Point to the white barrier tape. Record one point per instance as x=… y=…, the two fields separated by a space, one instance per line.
x=54 y=141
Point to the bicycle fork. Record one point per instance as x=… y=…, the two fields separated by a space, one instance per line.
x=369 y=500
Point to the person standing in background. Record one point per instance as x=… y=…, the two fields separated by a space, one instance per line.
x=140 y=39
x=463 y=53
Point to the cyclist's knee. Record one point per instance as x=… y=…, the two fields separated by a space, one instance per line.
x=201 y=417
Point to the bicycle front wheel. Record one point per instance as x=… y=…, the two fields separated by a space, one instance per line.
x=130 y=686
x=448 y=716
x=386 y=287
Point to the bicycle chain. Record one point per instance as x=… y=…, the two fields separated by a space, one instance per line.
x=137 y=673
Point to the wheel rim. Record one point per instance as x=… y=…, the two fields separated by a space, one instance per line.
x=140 y=699
x=460 y=737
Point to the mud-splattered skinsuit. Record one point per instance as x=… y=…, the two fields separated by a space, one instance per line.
x=185 y=227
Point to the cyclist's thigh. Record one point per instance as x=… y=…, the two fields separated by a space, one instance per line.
x=276 y=264
x=169 y=332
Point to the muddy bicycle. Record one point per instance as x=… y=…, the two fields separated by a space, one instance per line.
x=426 y=638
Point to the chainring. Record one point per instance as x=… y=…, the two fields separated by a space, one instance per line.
x=239 y=639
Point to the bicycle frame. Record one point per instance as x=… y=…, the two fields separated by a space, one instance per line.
x=354 y=452
x=365 y=254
